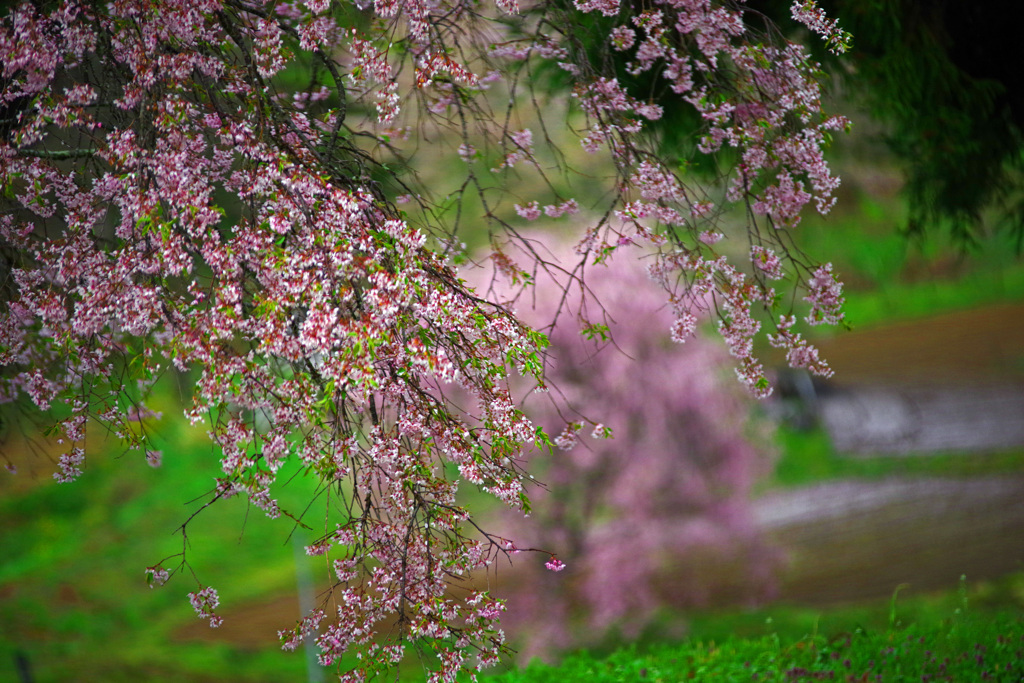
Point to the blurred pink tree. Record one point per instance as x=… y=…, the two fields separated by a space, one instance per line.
x=657 y=516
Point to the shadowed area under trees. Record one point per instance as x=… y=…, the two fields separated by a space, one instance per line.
x=944 y=79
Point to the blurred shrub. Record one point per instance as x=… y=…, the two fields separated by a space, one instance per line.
x=657 y=516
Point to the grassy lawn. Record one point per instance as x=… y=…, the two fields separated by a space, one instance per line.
x=808 y=457
x=961 y=647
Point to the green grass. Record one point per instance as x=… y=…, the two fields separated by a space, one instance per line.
x=807 y=457
x=939 y=638
x=954 y=652
x=906 y=301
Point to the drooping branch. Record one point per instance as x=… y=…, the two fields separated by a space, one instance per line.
x=58 y=154
x=214 y=218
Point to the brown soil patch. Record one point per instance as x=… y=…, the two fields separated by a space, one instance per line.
x=27 y=462
x=984 y=345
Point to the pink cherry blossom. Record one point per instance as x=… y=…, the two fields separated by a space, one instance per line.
x=204 y=602
x=554 y=564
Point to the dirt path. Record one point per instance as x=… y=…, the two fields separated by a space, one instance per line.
x=860 y=540
x=979 y=346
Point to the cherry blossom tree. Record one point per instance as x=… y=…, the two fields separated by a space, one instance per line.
x=216 y=187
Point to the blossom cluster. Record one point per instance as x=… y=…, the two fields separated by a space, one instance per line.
x=174 y=203
x=204 y=602
x=808 y=13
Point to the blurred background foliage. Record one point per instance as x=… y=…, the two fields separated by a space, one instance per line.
x=943 y=78
x=660 y=513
